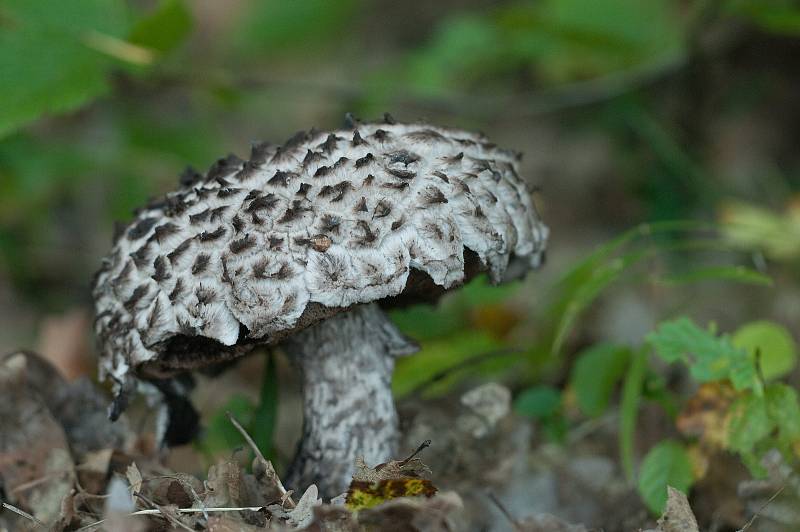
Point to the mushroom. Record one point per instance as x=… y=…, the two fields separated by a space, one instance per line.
x=297 y=246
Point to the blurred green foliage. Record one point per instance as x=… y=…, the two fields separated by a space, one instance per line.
x=102 y=103
x=667 y=464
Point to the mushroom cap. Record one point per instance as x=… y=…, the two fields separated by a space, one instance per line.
x=256 y=250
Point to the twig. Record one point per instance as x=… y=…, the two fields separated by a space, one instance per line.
x=173 y=520
x=422 y=446
x=284 y=493
x=180 y=511
x=752 y=520
x=503 y=510
x=183 y=483
x=22 y=513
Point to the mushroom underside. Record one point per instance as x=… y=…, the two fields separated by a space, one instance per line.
x=181 y=353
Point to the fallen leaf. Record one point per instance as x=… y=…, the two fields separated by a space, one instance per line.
x=678 y=515
x=93 y=471
x=224 y=523
x=435 y=514
x=223 y=487
x=411 y=467
x=36 y=467
x=302 y=514
x=397 y=478
x=134 y=478
x=706 y=414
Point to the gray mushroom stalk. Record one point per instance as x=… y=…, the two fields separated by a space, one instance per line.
x=297 y=246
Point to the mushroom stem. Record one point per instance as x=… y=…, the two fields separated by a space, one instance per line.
x=347 y=363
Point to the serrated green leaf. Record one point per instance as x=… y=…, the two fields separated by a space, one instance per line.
x=774 y=344
x=707 y=356
x=163 y=29
x=667 y=464
x=595 y=374
x=538 y=402
x=46 y=64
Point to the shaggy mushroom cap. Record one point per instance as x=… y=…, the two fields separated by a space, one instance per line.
x=255 y=250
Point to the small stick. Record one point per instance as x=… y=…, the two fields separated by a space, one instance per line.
x=752 y=520
x=179 y=510
x=285 y=494
x=22 y=513
x=503 y=510
x=423 y=445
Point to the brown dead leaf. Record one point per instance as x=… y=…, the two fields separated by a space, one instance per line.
x=224 y=485
x=435 y=514
x=224 y=523
x=678 y=515
x=705 y=415
x=94 y=470
x=302 y=514
x=79 y=407
x=411 y=467
x=333 y=518
x=134 y=478
x=36 y=467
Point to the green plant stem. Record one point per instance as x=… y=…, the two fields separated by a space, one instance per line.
x=629 y=410
x=267 y=411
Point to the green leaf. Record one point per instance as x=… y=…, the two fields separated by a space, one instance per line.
x=278 y=25
x=538 y=402
x=437 y=358
x=774 y=344
x=777 y=16
x=750 y=423
x=266 y=413
x=667 y=464
x=595 y=375
x=707 y=356
x=165 y=28
x=46 y=60
x=629 y=411
x=739 y=274
x=784 y=410
x=221 y=436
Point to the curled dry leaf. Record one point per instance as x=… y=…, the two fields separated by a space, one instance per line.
x=397 y=478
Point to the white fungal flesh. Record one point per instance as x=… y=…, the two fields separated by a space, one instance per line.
x=331 y=218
